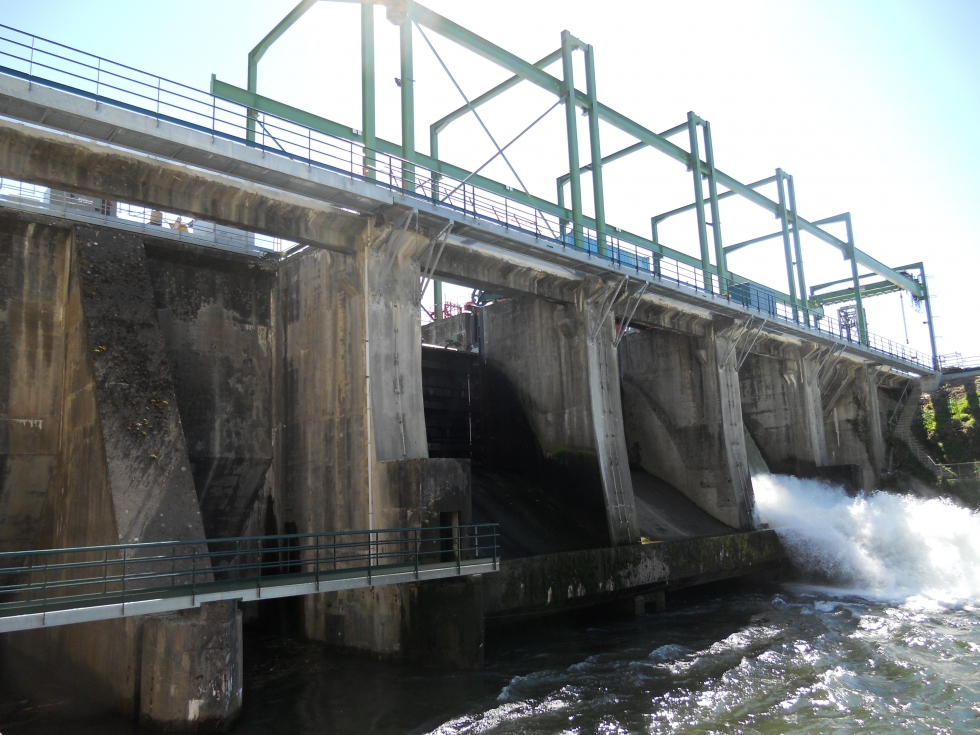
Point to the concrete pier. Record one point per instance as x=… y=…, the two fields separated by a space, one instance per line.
x=682 y=413
x=561 y=363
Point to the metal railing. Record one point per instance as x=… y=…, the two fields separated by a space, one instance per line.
x=50 y=581
x=33 y=198
x=38 y=60
x=954 y=362
x=963 y=470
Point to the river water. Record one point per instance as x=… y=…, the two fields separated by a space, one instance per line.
x=883 y=637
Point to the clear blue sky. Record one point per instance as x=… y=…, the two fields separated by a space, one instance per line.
x=872 y=105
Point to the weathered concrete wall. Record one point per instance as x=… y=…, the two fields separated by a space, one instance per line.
x=567 y=382
x=456 y=331
x=776 y=393
x=853 y=423
x=121 y=471
x=325 y=451
x=149 y=470
x=78 y=509
x=394 y=335
x=34 y=277
x=216 y=316
x=544 y=585
x=682 y=415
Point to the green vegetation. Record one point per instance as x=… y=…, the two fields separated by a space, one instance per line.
x=946 y=423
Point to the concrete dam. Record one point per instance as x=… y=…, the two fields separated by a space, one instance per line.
x=216 y=386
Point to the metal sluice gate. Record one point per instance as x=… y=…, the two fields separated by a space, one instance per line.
x=52 y=587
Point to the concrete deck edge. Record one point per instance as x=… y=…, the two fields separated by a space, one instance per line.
x=554 y=583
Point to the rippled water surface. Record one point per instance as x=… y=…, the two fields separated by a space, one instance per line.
x=788 y=661
x=890 y=643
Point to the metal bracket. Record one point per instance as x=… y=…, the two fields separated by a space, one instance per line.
x=430 y=265
x=628 y=313
x=748 y=349
x=746 y=328
x=606 y=305
x=827 y=365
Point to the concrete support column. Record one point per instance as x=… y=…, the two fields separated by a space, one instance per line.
x=607 y=425
x=191 y=669
x=567 y=381
x=852 y=423
x=682 y=413
x=781 y=410
x=813 y=410
x=355 y=442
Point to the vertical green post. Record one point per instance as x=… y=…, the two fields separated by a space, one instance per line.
x=600 y=203
x=692 y=130
x=434 y=153
x=932 y=331
x=253 y=84
x=720 y=259
x=787 y=250
x=858 y=299
x=571 y=124
x=259 y=51
x=367 y=88
x=437 y=299
x=657 y=247
x=798 y=251
x=408 y=105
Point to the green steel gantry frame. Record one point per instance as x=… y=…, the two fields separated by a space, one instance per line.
x=406 y=13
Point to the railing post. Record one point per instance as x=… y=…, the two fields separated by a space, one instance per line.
x=124 y=582
x=418 y=531
x=369 y=560
x=30 y=72
x=193 y=574
x=98 y=80
x=494 y=547
x=316 y=542
x=44 y=592
x=105 y=573
x=158 y=106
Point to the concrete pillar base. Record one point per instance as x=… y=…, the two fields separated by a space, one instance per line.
x=650 y=602
x=192 y=669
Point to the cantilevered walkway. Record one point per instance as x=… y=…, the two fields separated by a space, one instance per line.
x=52 y=587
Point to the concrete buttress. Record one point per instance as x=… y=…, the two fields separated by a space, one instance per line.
x=353 y=416
x=683 y=420
x=561 y=363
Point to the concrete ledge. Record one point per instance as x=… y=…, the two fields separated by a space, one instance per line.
x=54 y=159
x=554 y=583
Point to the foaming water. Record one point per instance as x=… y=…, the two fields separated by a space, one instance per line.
x=880 y=545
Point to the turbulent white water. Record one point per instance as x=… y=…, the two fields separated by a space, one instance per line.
x=880 y=546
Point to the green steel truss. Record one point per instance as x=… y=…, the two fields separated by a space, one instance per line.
x=698 y=158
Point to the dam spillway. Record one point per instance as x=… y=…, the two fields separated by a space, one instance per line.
x=206 y=383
